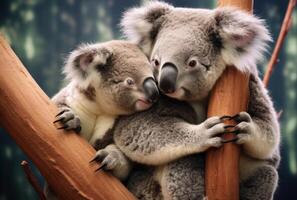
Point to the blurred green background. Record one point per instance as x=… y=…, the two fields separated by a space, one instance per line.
x=43 y=32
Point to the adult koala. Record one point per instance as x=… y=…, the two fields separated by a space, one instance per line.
x=190 y=49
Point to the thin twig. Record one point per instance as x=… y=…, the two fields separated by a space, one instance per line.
x=32 y=179
x=282 y=35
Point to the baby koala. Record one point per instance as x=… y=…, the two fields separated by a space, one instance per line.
x=106 y=80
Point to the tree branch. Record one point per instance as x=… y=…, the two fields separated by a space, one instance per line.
x=286 y=25
x=222 y=164
x=32 y=179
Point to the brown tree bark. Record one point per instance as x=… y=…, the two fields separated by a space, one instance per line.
x=62 y=158
x=229 y=97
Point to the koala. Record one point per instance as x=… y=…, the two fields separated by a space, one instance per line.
x=106 y=80
x=189 y=50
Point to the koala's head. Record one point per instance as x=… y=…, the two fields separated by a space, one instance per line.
x=190 y=48
x=115 y=75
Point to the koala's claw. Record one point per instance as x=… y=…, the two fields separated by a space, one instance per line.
x=103 y=166
x=93 y=159
x=98 y=158
x=230 y=140
x=242 y=129
x=227 y=118
x=61 y=112
x=68 y=120
x=231 y=129
x=59 y=120
x=108 y=158
x=63 y=127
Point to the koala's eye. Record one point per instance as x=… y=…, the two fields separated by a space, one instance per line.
x=192 y=63
x=130 y=81
x=155 y=62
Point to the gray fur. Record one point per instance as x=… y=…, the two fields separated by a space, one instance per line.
x=166 y=135
x=142 y=184
x=261 y=185
x=105 y=80
x=164 y=129
x=97 y=74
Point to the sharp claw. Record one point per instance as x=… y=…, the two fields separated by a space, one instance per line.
x=236 y=117
x=93 y=160
x=101 y=167
x=235 y=131
x=228 y=117
x=63 y=127
x=60 y=113
x=225 y=117
x=59 y=120
x=229 y=126
x=230 y=140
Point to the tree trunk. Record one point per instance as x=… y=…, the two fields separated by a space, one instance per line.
x=229 y=97
x=62 y=158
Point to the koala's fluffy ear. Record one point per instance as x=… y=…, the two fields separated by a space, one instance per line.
x=243 y=37
x=141 y=25
x=85 y=59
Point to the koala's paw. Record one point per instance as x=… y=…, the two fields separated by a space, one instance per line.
x=113 y=160
x=212 y=128
x=245 y=128
x=108 y=158
x=68 y=119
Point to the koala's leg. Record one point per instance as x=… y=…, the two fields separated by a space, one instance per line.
x=155 y=137
x=259 y=128
x=261 y=185
x=183 y=179
x=142 y=184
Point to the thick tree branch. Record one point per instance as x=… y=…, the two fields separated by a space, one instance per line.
x=286 y=25
x=229 y=97
x=62 y=158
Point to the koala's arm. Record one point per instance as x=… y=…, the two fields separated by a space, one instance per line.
x=60 y=98
x=264 y=138
x=165 y=133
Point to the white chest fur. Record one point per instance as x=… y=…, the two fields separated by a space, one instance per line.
x=94 y=125
x=102 y=125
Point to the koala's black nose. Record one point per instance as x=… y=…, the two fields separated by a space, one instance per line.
x=168 y=78
x=151 y=89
